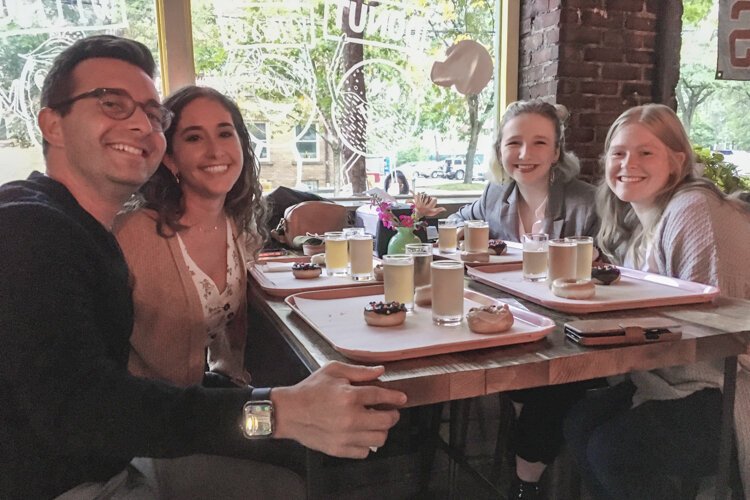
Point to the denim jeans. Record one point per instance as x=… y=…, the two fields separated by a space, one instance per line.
x=643 y=452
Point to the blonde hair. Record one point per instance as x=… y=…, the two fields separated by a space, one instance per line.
x=621 y=233
x=567 y=165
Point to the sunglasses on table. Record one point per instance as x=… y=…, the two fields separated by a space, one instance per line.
x=119 y=105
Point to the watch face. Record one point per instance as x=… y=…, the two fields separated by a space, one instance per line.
x=257 y=419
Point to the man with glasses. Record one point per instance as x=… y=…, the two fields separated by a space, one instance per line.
x=71 y=417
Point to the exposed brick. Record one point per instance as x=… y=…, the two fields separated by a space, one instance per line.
x=613 y=38
x=621 y=71
x=525 y=26
x=625 y=5
x=551 y=70
x=602 y=18
x=542 y=89
x=647 y=73
x=568 y=86
x=581 y=34
x=630 y=89
x=552 y=36
x=639 y=56
x=616 y=104
x=586 y=4
x=546 y=54
x=546 y=20
x=598 y=87
x=592 y=119
x=640 y=23
x=589 y=150
x=581 y=102
x=652 y=6
x=571 y=17
x=579 y=134
x=603 y=54
x=572 y=53
x=583 y=70
x=590 y=169
x=638 y=40
x=532 y=74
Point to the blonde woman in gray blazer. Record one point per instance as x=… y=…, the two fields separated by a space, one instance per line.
x=539 y=193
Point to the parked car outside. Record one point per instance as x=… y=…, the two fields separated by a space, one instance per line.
x=419 y=168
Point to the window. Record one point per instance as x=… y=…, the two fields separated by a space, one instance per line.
x=31 y=35
x=345 y=83
x=260 y=141
x=307 y=144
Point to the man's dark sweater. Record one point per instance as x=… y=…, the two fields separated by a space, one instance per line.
x=69 y=411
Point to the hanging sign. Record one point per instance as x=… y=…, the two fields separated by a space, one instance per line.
x=734 y=40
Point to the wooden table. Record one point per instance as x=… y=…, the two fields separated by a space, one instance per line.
x=714 y=330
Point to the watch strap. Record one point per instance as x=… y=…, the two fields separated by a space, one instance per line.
x=260 y=394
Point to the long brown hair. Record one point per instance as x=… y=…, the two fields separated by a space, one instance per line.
x=244 y=202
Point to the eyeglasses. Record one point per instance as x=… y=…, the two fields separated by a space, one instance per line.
x=119 y=105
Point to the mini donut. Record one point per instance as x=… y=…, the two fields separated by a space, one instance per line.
x=605 y=275
x=303 y=271
x=475 y=257
x=377 y=272
x=319 y=259
x=423 y=295
x=497 y=247
x=570 y=288
x=490 y=319
x=385 y=314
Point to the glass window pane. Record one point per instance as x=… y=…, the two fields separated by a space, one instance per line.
x=360 y=75
x=31 y=35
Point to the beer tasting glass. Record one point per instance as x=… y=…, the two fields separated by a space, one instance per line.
x=422 y=254
x=584 y=255
x=447 y=236
x=562 y=260
x=534 y=256
x=337 y=255
x=447 y=292
x=476 y=236
x=398 y=279
x=360 y=256
x=348 y=233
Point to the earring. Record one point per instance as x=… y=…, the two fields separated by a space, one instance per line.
x=177 y=177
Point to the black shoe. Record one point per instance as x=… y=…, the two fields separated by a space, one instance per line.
x=521 y=490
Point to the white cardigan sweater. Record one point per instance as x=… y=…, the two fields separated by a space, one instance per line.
x=702 y=239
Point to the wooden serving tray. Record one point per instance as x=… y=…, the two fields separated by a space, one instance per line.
x=513 y=254
x=275 y=277
x=635 y=290
x=337 y=315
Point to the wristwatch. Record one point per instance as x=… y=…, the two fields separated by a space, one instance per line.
x=257 y=414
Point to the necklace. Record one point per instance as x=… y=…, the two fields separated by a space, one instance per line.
x=208 y=229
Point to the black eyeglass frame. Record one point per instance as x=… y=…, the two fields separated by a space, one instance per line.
x=164 y=121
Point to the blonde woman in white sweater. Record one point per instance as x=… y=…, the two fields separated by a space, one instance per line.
x=658 y=216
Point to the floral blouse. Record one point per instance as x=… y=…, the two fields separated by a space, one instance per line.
x=219 y=308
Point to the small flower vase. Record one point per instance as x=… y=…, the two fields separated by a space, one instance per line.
x=403 y=236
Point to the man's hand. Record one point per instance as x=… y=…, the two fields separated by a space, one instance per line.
x=327 y=413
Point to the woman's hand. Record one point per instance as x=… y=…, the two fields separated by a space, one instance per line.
x=426 y=205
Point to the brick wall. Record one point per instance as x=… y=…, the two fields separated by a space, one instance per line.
x=597 y=57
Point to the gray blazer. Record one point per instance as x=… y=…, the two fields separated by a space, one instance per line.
x=570 y=210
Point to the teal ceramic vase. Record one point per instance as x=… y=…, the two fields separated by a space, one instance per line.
x=403 y=236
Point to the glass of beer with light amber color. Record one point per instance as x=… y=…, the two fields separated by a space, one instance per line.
x=476 y=236
x=360 y=256
x=398 y=279
x=422 y=254
x=337 y=253
x=534 y=256
x=562 y=260
x=447 y=236
x=584 y=255
x=447 y=292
